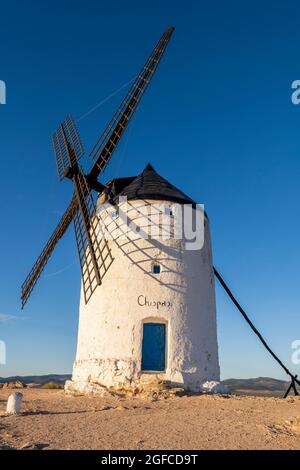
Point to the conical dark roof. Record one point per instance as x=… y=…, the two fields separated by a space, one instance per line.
x=150 y=185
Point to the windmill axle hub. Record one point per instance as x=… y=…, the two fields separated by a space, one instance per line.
x=71 y=171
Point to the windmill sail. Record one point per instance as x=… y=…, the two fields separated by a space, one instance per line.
x=94 y=259
x=67 y=147
x=104 y=148
x=42 y=260
x=93 y=250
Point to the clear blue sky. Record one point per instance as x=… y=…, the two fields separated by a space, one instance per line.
x=217 y=121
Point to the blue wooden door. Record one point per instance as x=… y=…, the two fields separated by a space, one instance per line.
x=154 y=347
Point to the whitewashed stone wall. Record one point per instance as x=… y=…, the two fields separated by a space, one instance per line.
x=182 y=296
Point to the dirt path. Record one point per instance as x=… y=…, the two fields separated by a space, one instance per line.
x=51 y=420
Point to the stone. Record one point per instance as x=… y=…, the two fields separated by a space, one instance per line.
x=14 y=403
x=213 y=387
x=295 y=425
x=33 y=446
x=85 y=388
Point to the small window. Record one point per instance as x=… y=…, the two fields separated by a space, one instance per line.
x=156 y=269
x=115 y=214
x=168 y=211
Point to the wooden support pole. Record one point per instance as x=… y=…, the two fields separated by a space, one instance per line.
x=263 y=341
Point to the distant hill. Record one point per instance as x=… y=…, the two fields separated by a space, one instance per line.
x=260 y=386
x=264 y=386
x=259 y=383
x=38 y=379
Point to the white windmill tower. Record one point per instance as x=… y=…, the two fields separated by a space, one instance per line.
x=147 y=305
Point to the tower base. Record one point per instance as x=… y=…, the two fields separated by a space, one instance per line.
x=144 y=385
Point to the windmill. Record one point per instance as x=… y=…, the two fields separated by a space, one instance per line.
x=141 y=306
x=94 y=259
x=162 y=319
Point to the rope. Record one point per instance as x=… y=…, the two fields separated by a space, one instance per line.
x=62 y=270
x=90 y=111
x=242 y=311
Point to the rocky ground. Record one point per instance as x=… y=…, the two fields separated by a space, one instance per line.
x=52 y=420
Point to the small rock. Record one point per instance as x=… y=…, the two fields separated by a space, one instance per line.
x=140 y=443
x=120 y=408
x=295 y=425
x=4 y=446
x=211 y=386
x=33 y=446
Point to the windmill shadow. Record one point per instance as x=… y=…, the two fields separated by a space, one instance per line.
x=142 y=251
